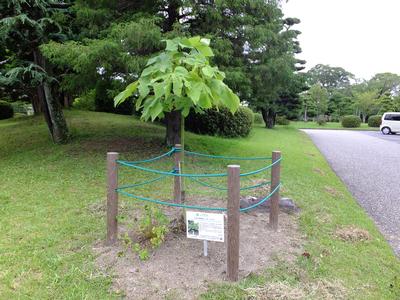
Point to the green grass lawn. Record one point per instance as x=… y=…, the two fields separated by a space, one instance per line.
x=328 y=125
x=48 y=224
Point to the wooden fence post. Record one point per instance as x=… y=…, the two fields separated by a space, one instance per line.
x=177 y=179
x=233 y=222
x=275 y=180
x=112 y=197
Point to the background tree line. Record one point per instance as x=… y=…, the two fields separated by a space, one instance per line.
x=55 y=53
x=334 y=92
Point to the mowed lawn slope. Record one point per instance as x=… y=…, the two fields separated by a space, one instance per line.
x=48 y=220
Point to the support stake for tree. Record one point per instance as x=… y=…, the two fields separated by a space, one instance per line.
x=233 y=222
x=177 y=179
x=275 y=180
x=112 y=197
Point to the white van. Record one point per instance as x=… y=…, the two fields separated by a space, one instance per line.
x=390 y=123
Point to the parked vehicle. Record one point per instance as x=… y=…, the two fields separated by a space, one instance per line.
x=390 y=123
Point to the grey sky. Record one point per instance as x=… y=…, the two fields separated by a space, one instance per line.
x=362 y=36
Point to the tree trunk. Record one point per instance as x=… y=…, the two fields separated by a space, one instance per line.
x=269 y=117
x=173 y=128
x=172 y=14
x=37 y=105
x=66 y=101
x=305 y=115
x=45 y=109
x=172 y=119
x=53 y=113
x=59 y=125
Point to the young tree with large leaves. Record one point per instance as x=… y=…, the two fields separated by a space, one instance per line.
x=24 y=26
x=179 y=79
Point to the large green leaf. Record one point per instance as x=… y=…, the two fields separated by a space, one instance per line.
x=156 y=110
x=205 y=50
x=181 y=71
x=177 y=85
x=172 y=45
x=129 y=90
x=205 y=100
x=158 y=90
x=143 y=88
x=195 y=41
x=195 y=91
x=208 y=71
x=205 y=41
x=153 y=69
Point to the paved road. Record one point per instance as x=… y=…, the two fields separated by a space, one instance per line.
x=369 y=164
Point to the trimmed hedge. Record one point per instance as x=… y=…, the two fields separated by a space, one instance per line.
x=6 y=110
x=222 y=122
x=282 y=120
x=351 y=121
x=375 y=121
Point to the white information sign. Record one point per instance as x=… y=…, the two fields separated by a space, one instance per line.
x=205 y=226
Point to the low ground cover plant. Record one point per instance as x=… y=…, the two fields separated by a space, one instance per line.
x=151 y=229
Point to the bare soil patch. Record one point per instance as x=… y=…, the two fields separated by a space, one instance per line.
x=332 y=191
x=353 y=234
x=178 y=268
x=319 y=171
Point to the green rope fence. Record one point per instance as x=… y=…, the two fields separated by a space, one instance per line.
x=195 y=178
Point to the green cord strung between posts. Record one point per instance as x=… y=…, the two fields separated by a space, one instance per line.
x=196 y=206
x=142 y=183
x=225 y=189
x=262 y=201
x=196 y=175
x=169 y=153
x=133 y=164
x=226 y=157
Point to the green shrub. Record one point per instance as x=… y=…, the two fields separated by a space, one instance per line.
x=282 y=120
x=221 y=122
x=375 y=121
x=320 y=120
x=334 y=118
x=6 y=110
x=258 y=119
x=351 y=121
x=86 y=101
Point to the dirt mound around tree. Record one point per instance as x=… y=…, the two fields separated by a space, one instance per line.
x=178 y=269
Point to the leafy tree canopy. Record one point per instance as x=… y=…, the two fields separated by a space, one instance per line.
x=329 y=77
x=385 y=83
